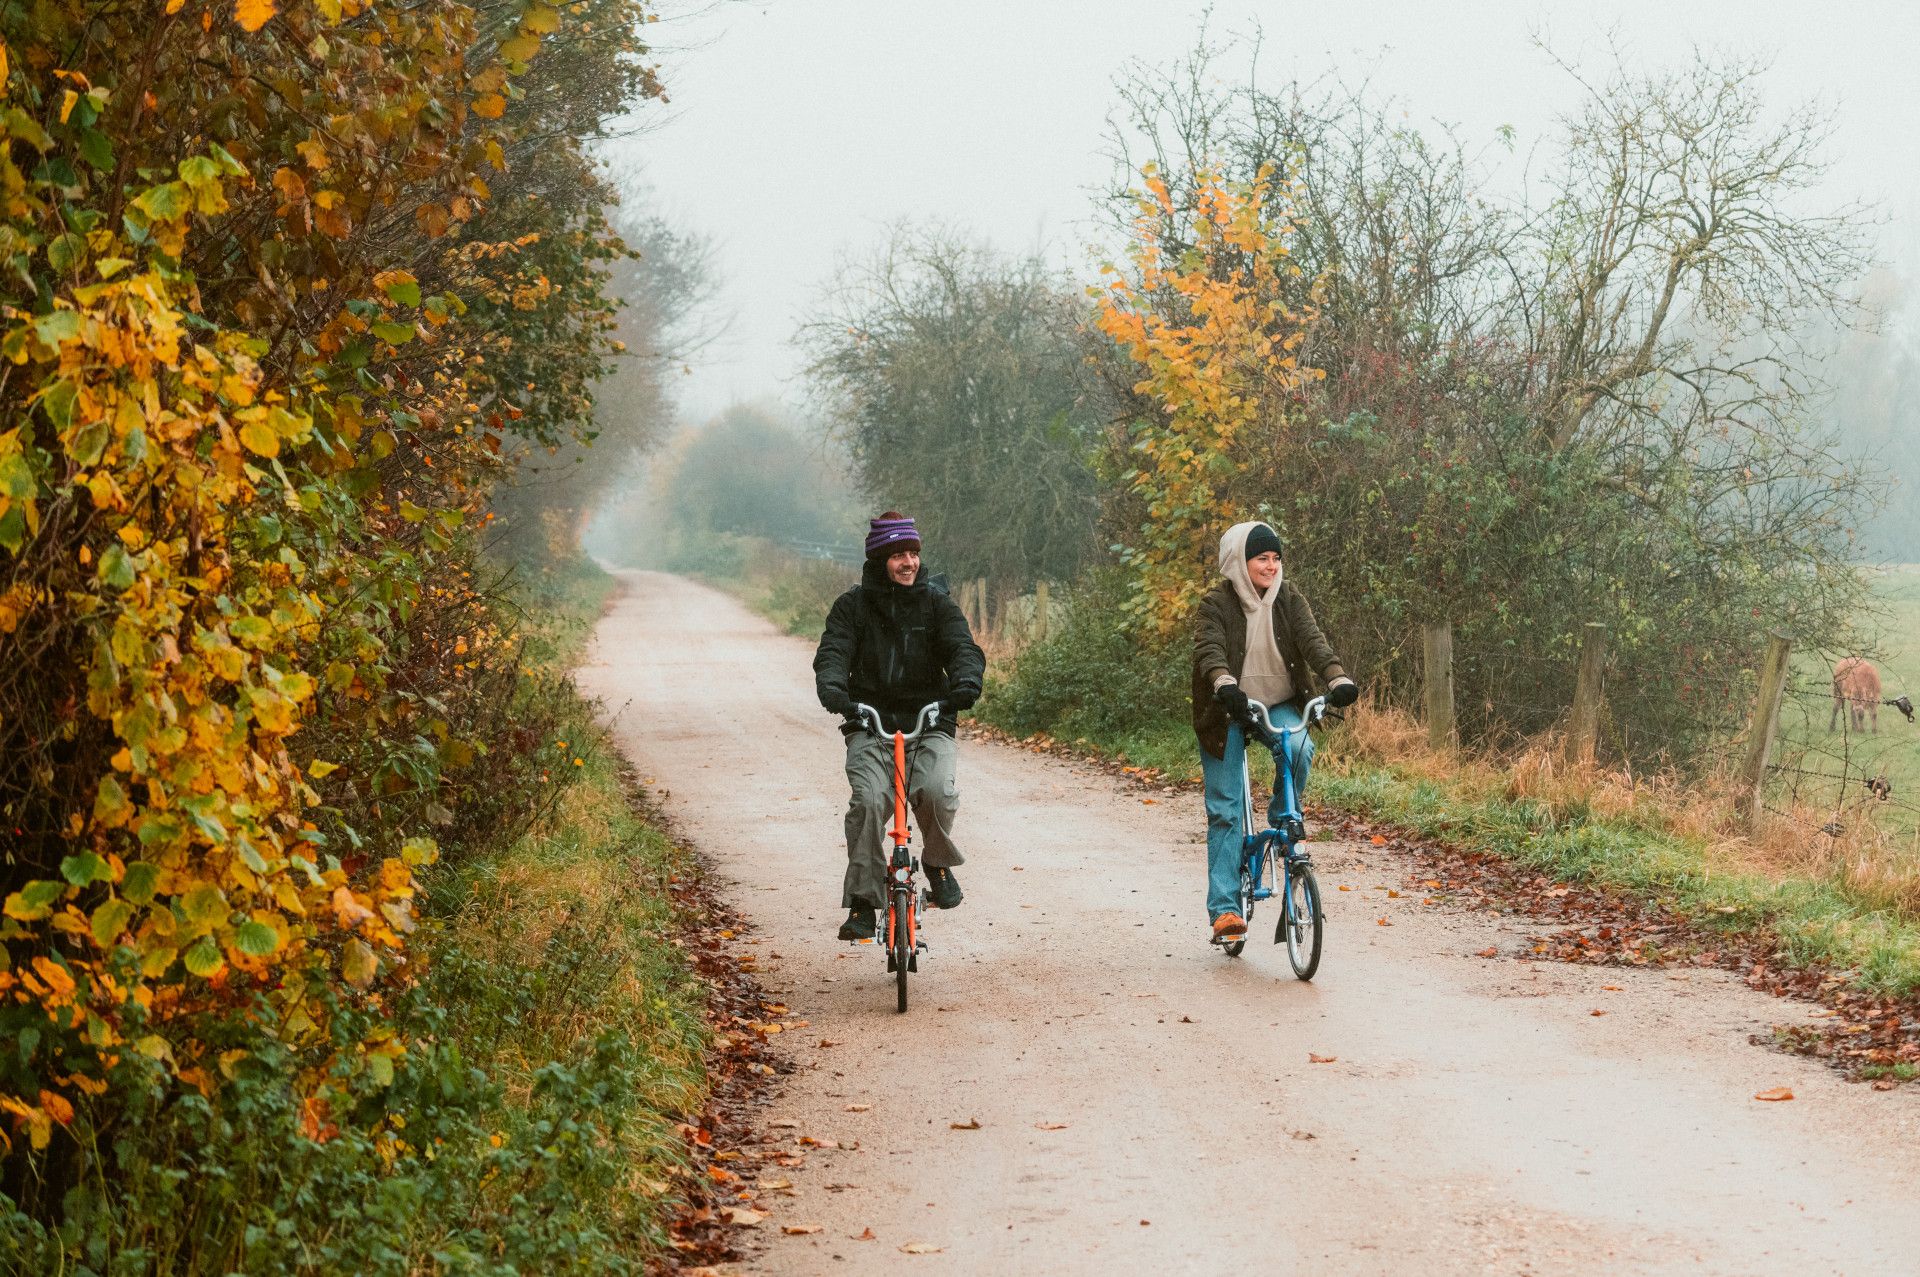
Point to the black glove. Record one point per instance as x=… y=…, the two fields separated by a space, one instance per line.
x=837 y=703
x=960 y=698
x=1342 y=692
x=1233 y=700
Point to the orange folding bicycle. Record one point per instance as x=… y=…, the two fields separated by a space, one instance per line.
x=904 y=944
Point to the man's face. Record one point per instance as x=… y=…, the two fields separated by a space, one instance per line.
x=903 y=566
x=1261 y=569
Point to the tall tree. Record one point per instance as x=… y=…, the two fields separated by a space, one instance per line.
x=951 y=373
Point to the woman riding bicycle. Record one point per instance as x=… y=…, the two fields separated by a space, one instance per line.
x=1254 y=639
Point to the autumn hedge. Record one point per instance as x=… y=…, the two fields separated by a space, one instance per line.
x=281 y=285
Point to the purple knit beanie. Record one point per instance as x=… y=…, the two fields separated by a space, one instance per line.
x=891 y=533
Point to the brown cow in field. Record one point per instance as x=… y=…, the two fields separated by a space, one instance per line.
x=1856 y=689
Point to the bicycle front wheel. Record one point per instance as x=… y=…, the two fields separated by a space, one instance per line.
x=902 y=944
x=1301 y=920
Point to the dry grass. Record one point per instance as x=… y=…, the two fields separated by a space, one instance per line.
x=1874 y=861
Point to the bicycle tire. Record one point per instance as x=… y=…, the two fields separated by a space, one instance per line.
x=902 y=946
x=1302 y=931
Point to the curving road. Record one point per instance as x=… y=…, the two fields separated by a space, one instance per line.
x=1145 y=1105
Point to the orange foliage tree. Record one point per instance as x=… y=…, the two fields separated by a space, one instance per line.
x=1216 y=344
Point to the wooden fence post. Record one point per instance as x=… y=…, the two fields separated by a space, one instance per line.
x=1040 y=611
x=1583 y=726
x=1764 y=727
x=1438 y=642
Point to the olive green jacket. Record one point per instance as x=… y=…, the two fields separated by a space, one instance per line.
x=1220 y=644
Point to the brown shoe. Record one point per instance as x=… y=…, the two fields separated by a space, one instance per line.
x=1228 y=926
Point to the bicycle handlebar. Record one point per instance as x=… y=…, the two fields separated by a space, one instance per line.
x=870 y=719
x=1315 y=710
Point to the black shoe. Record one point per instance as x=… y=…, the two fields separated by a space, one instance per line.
x=859 y=924
x=946 y=888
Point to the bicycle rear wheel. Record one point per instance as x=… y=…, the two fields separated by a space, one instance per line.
x=902 y=934
x=1300 y=921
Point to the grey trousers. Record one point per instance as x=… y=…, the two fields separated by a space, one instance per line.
x=931 y=793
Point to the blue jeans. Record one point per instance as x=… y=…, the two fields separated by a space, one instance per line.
x=1226 y=815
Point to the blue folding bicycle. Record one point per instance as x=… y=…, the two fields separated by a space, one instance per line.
x=1275 y=860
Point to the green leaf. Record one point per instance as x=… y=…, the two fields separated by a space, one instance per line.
x=85 y=869
x=116 y=568
x=256 y=938
x=96 y=149
x=380 y=1069
x=255 y=631
x=203 y=959
x=64 y=252
x=141 y=880
x=405 y=293
x=392 y=333
x=57 y=326
x=205 y=906
x=34 y=901
x=111 y=806
x=89 y=442
x=165 y=202
x=109 y=920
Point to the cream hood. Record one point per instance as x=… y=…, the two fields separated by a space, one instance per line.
x=1233 y=566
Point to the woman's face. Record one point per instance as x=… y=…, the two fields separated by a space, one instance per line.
x=1262 y=569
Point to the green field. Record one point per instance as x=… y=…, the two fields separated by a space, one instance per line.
x=1893 y=752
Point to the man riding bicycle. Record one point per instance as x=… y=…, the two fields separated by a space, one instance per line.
x=1254 y=639
x=898 y=643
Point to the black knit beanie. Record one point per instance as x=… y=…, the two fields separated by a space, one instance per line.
x=1261 y=539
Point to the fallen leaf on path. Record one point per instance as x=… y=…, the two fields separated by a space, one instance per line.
x=824 y=1043
x=1611 y=988
x=1051 y=1126
x=1596 y=1011
x=1320 y=1059
x=815 y=1142
x=864 y=1235
x=784 y=1124
x=1148 y=802
x=921 y=1248
x=775 y=1185
x=1777 y=1093
x=1019 y=868
x=800 y=1230
x=1489 y=952
x=1378 y=841
x=1185 y=1019
x=1144 y=1223
x=1392 y=895
x=1303 y=1135
x=858 y=1108
x=1346 y=888
x=744 y=1216
x=1381 y=922
x=971 y=1124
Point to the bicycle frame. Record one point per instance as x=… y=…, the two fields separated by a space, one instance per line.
x=901 y=911
x=1286 y=828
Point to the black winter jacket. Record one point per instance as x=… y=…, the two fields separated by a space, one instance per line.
x=897 y=648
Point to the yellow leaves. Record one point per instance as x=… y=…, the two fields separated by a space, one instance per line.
x=490 y=106
x=314 y=152
x=358 y=966
x=1207 y=331
x=258 y=438
x=253 y=14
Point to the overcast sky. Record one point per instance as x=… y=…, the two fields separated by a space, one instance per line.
x=799 y=129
